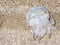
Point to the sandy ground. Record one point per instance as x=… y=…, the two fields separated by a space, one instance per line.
x=13 y=27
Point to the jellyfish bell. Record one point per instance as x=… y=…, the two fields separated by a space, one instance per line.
x=37 y=12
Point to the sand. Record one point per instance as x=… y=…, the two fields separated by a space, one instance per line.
x=13 y=27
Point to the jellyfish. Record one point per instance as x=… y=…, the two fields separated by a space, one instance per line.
x=41 y=21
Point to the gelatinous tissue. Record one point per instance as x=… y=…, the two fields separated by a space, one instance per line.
x=41 y=21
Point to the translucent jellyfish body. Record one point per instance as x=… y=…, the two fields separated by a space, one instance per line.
x=40 y=21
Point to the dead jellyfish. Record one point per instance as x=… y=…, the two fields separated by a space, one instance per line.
x=41 y=21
